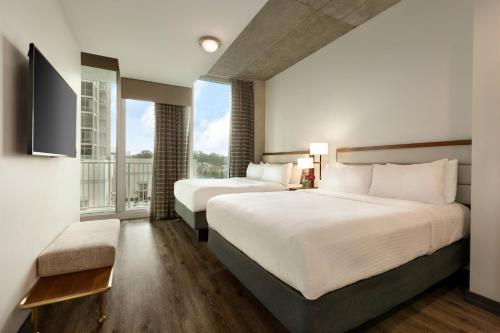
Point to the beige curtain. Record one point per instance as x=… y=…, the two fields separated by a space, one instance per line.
x=241 y=146
x=171 y=157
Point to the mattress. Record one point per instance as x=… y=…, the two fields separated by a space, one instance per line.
x=194 y=193
x=317 y=241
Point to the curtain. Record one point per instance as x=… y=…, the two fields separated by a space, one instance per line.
x=241 y=145
x=171 y=157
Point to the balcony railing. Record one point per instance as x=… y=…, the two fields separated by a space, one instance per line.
x=139 y=183
x=98 y=184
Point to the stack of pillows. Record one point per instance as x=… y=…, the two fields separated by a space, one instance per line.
x=434 y=182
x=284 y=174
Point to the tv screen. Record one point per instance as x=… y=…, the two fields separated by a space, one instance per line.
x=53 y=105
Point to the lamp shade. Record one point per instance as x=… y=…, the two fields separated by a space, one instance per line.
x=318 y=148
x=305 y=163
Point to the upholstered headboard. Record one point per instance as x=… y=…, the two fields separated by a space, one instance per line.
x=417 y=153
x=284 y=156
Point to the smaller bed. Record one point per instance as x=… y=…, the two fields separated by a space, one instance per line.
x=192 y=195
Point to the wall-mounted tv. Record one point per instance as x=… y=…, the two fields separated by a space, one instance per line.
x=53 y=107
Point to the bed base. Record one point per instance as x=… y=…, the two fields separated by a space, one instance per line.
x=197 y=221
x=345 y=308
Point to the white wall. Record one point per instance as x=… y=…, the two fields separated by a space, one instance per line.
x=405 y=76
x=38 y=196
x=485 y=226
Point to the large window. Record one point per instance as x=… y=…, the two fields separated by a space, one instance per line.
x=98 y=140
x=212 y=105
x=139 y=153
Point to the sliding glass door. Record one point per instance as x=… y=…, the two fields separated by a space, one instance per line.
x=212 y=112
x=116 y=150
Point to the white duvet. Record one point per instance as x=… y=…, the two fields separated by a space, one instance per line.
x=318 y=241
x=194 y=193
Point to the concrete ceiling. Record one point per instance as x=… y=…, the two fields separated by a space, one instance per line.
x=286 y=31
x=157 y=40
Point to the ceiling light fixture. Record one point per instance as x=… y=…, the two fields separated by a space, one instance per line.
x=209 y=43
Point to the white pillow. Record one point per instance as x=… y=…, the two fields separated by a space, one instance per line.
x=296 y=175
x=450 y=181
x=346 y=178
x=418 y=182
x=255 y=171
x=278 y=173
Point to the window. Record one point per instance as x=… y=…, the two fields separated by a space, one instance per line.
x=87 y=120
x=98 y=141
x=212 y=105
x=88 y=88
x=139 y=148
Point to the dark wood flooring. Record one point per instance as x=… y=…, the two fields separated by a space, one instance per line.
x=166 y=282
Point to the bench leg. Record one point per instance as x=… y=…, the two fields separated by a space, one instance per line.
x=102 y=316
x=34 y=320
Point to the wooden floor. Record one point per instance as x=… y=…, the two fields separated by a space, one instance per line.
x=165 y=282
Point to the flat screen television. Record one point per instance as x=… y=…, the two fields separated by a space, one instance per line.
x=53 y=107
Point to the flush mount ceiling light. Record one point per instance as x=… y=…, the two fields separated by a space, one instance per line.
x=209 y=43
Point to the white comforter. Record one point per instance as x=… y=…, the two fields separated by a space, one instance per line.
x=317 y=241
x=194 y=193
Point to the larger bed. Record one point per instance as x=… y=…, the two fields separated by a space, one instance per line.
x=324 y=261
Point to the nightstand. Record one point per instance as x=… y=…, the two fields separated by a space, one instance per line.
x=302 y=188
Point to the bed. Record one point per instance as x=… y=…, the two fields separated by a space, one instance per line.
x=191 y=195
x=280 y=245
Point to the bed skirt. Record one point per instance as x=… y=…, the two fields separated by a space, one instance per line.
x=345 y=308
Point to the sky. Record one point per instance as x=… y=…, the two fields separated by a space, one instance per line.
x=139 y=126
x=212 y=104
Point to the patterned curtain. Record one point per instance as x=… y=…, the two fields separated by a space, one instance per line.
x=171 y=157
x=241 y=146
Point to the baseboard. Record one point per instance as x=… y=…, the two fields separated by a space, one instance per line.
x=483 y=302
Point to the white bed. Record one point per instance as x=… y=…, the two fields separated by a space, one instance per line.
x=194 y=193
x=317 y=241
x=191 y=195
x=382 y=229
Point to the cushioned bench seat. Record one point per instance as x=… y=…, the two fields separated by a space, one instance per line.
x=78 y=263
x=81 y=246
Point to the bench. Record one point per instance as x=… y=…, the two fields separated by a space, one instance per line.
x=78 y=263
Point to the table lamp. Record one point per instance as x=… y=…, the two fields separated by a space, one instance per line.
x=305 y=163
